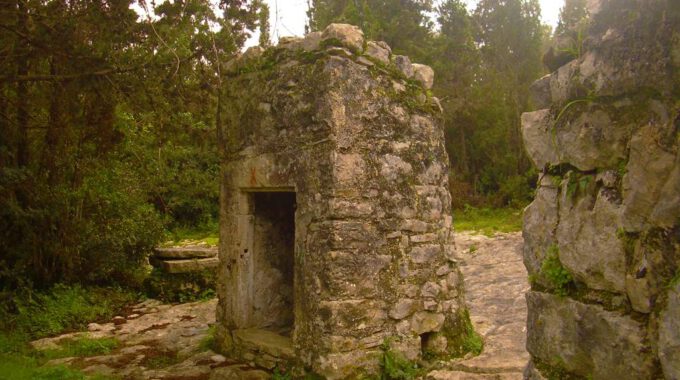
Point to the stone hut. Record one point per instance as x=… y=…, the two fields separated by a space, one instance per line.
x=602 y=236
x=336 y=243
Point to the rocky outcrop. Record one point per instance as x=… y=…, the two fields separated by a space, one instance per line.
x=602 y=236
x=335 y=210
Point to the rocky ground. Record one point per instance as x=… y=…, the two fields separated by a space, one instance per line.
x=170 y=342
x=157 y=341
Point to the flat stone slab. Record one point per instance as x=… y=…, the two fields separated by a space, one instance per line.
x=185 y=252
x=185 y=265
x=265 y=341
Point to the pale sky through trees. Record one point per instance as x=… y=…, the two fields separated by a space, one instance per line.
x=287 y=17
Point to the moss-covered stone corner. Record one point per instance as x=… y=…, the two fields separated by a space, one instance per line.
x=556 y=275
x=462 y=338
x=181 y=287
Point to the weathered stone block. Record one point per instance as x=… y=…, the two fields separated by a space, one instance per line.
x=588 y=241
x=647 y=172
x=379 y=51
x=539 y=139
x=540 y=221
x=586 y=339
x=186 y=265
x=348 y=35
x=185 y=252
x=423 y=74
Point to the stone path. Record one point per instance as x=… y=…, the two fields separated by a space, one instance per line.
x=495 y=283
x=160 y=341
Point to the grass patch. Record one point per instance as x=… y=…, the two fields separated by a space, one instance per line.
x=82 y=347
x=487 y=221
x=13 y=367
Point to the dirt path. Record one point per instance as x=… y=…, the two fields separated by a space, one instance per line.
x=495 y=283
x=160 y=341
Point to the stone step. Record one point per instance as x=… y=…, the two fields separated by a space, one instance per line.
x=258 y=340
x=191 y=252
x=184 y=265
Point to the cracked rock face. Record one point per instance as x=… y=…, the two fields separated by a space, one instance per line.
x=603 y=233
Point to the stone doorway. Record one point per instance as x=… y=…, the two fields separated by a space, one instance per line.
x=273 y=260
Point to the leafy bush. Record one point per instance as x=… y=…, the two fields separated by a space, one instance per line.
x=96 y=232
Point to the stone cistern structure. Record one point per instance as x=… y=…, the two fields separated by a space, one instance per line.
x=336 y=241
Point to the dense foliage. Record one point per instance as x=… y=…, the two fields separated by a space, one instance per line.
x=107 y=134
x=484 y=62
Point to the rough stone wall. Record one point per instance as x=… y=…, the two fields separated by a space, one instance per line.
x=602 y=236
x=354 y=131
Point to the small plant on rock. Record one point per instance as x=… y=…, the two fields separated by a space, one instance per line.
x=552 y=270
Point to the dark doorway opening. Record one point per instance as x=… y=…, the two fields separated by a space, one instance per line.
x=273 y=259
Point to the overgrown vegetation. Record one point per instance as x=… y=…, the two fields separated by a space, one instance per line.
x=61 y=309
x=487 y=221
